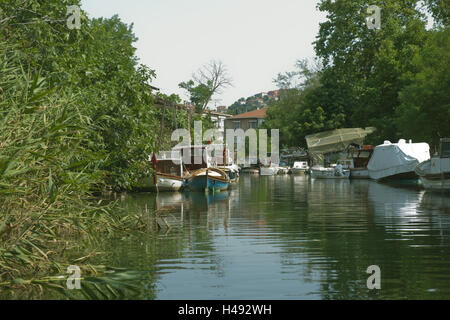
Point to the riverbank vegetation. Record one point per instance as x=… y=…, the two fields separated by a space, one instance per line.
x=395 y=78
x=77 y=119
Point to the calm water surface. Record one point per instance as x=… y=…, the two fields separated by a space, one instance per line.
x=287 y=237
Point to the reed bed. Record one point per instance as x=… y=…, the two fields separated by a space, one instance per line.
x=48 y=177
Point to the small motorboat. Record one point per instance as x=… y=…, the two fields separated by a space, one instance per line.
x=283 y=170
x=268 y=171
x=300 y=167
x=207 y=179
x=336 y=172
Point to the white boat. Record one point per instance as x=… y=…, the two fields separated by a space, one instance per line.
x=268 y=171
x=397 y=160
x=283 y=170
x=336 y=172
x=435 y=172
x=168 y=172
x=300 y=167
x=268 y=168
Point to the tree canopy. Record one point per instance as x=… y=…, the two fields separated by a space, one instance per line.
x=389 y=78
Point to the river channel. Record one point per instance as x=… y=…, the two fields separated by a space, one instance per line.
x=290 y=237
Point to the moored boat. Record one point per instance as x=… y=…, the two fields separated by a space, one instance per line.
x=228 y=166
x=207 y=179
x=251 y=170
x=267 y=168
x=268 y=171
x=357 y=159
x=167 y=175
x=336 y=172
x=300 y=167
x=397 y=160
x=283 y=170
x=435 y=172
x=232 y=172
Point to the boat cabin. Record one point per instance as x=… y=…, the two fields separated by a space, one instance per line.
x=203 y=156
x=357 y=156
x=167 y=163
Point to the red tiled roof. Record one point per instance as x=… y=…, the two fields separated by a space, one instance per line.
x=260 y=114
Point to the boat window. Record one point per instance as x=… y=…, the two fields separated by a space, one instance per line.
x=364 y=154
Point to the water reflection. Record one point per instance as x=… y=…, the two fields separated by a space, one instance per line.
x=287 y=237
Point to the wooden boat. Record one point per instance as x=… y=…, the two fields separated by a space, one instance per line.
x=435 y=172
x=300 y=167
x=207 y=179
x=169 y=171
x=357 y=159
x=336 y=172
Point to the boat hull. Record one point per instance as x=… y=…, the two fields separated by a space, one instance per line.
x=329 y=174
x=436 y=184
x=359 y=173
x=298 y=171
x=250 y=171
x=211 y=179
x=164 y=182
x=410 y=175
x=269 y=171
x=199 y=184
x=435 y=174
x=168 y=183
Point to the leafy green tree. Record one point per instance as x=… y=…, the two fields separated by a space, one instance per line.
x=97 y=68
x=200 y=94
x=424 y=112
x=209 y=80
x=363 y=68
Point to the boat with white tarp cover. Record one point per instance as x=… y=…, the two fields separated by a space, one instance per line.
x=397 y=160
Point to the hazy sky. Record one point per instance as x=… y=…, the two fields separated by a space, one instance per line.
x=255 y=39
